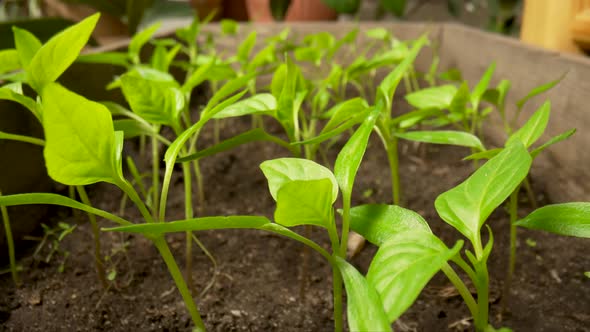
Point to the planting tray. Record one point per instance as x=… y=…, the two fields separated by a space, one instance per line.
x=257 y=286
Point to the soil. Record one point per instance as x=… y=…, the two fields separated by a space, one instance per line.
x=257 y=281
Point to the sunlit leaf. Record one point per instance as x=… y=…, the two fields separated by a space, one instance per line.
x=459 y=138
x=305 y=202
x=572 y=219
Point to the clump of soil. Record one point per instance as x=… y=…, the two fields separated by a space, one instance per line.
x=257 y=286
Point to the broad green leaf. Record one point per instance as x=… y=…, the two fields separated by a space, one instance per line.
x=404 y=264
x=487 y=154
x=253 y=135
x=9 y=61
x=54 y=199
x=80 y=139
x=280 y=171
x=305 y=202
x=378 y=222
x=26 y=45
x=195 y=224
x=262 y=103
x=538 y=90
x=571 y=219
x=481 y=86
x=156 y=102
x=396 y=7
x=553 y=140
x=530 y=132
x=467 y=206
x=350 y=157
x=30 y=104
x=387 y=87
x=364 y=309
x=140 y=39
x=439 y=97
x=459 y=138
x=343 y=112
x=110 y=58
x=55 y=56
x=132 y=128
x=158 y=59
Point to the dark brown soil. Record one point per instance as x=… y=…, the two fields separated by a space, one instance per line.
x=257 y=285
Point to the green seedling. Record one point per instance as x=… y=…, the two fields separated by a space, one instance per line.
x=52 y=238
x=10 y=244
x=41 y=65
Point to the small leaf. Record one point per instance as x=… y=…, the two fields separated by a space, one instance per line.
x=483 y=84
x=245 y=48
x=453 y=75
x=280 y=171
x=539 y=90
x=553 y=140
x=305 y=202
x=55 y=56
x=262 y=103
x=364 y=308
x=195 y=224
x=198 y=76
x=403 y=265
x=229 y=27
x=80 y=138
x=378 y=222
x=156 y=102
x=342 y=112
x=571 y=219
x=350 y=157
x=140 y=39
x=110 y=58
x=9 y=61
x=439 y=97
x=26 y=45
x=459 y=138
x=530 y=132
x=487 y=154
x=467 y=206
x=378 y=33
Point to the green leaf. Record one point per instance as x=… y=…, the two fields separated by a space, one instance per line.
x=198 y=76
x=55 y=56
x=227 y=89
x=21 y=138
x=439 y=97
x=140 y=39
x=412 y=118
x=387 y=87
x=453 y=75
x=462 y=97
x=530 y=132
x=396 y=7
x=253 y=135
x=350 y=157
x=194 y=224
x=378 y=222
x=487 y=154
x=245 y=48
x=571 y=219
x=229 y=27
x=378 y=33
x=343 y=112
x=26 y=45
x=364 y=308
x=30 y=104
x=343 y=6
x=305 y=202
x=481 y=87
x=538 y=90
x=287 y=110
x=9 y=61
x=450 y=137
x=80 y=139
x=404 y=264
x=360 y=117
x=467 y=206
x=262 y=103
x=555 y=139
x=156 y=102
x=54 y=199
x=280 y=171
x=110 y=58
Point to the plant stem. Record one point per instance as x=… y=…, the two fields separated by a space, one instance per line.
x=155 y=172
x=482 y=286
x=393 y=158
x=164 y=250
x=530 y=193
x=188 y=214
x=200 y=188
x=337 y=283
x=10 y=243
x=513 y=210
x=345 y=223
x=96 y=235
x=461 y=288
x=130 y=191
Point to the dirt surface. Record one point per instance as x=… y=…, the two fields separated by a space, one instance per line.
x=257 y=281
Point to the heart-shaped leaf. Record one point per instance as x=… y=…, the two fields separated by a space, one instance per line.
x=307 y=202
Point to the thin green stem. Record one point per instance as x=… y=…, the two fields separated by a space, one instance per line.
x=155 y=172
x=461 y=288
x=513 y=211
x=22 y=138
x=10 y=243
x=200 y=186
x=130 y=191
x=482 y=286
x=393 y=159
x=96 y=235
x=337 y=284
x=530 y=193
x=345 y=223
x=188 y=214
x=164 y=250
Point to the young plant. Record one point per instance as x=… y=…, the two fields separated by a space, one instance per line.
x=42 y=65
